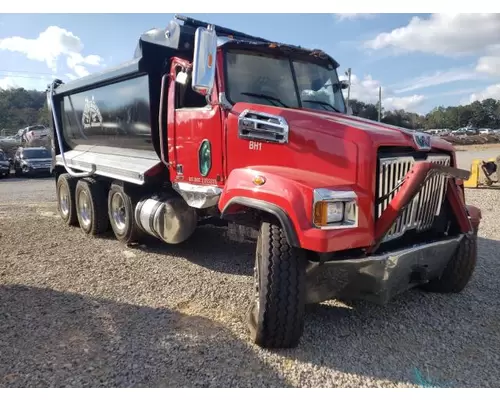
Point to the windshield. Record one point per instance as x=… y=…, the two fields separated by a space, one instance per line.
x=2 y=157
x=36 y=153
x=271 y=80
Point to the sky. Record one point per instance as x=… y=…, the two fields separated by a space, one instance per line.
x=421 y=61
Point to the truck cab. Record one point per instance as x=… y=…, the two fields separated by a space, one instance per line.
x=207 y=123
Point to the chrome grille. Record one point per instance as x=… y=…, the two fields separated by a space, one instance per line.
x=420 y=213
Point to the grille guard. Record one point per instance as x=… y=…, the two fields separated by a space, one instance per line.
x=412 y=183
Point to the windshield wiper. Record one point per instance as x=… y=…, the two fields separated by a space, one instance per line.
x=265 y=96
x=323 y=103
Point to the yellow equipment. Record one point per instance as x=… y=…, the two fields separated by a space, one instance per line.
x=481 y=172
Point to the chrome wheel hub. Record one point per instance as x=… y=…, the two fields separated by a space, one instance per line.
x=118 y=213
x=84 y=208
x=64 y=200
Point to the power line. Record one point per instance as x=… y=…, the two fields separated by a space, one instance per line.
x=2 y=71
x=22 y=76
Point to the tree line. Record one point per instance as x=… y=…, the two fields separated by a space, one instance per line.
x=479 y=114
x=20 y=108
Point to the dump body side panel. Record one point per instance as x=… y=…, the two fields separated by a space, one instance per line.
x=116 y=115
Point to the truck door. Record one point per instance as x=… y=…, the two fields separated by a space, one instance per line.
x=194 y=134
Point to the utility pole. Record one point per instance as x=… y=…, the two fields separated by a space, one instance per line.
x=379 y=102
x=348 y=73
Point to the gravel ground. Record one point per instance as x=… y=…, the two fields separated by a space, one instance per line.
x=77 y=311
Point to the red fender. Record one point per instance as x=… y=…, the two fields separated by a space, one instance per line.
x=288 y=195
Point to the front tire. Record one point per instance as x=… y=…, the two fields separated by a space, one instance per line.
x=91 y=206
x=459 y=270
x=276 y=316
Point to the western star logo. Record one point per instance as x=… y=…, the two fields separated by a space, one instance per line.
x=422 y=140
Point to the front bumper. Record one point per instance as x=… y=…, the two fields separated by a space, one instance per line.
x=381 y=277
x=36 y=171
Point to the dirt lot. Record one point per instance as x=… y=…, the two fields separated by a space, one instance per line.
x=76 y=311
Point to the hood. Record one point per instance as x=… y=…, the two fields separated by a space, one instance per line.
x=323 y=149
x=37 y=160
x=357 y=129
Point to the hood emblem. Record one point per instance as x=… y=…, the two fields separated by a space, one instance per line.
x=422 y=140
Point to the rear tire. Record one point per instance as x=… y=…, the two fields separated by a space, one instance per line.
x=65 y=191
x=459 y=270
x=121 y=214
x=276 y=315
x=91 y=206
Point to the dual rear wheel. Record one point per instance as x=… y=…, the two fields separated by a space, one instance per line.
x=96 y=206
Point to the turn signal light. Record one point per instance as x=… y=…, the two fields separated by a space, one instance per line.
x=259 y=180
x=326 y=212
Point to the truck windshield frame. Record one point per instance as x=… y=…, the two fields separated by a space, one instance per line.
x=275 y=79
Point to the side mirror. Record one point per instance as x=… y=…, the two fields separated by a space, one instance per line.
x=344 y=84
x=205 y=49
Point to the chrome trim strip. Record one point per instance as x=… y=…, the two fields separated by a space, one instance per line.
x=252 y=127
x=198 y=196
x=128 y=168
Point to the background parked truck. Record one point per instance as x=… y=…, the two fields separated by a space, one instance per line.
x=209 y=124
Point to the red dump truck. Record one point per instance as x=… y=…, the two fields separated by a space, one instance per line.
x=209 y=124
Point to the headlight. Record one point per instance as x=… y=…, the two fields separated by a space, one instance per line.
x=335 y=209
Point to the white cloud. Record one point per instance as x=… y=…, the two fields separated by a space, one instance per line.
x=50 y=46
x=451 y=35
x=351 y=16
x=438 y=78
x=28 y=83
x=366 y=90
x=443 y=34
x=489 y=65
x=492 y=91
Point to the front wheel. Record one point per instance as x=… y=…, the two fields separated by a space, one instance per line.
x=276 y=316
x=458 y=272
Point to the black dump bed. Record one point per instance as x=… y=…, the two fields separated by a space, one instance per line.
x=120 y=106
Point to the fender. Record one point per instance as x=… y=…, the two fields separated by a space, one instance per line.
x=287 y=194
x=279 y=196
x=273 y=209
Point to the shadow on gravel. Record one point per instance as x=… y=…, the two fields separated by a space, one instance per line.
x=208 y=243
x=428 y=339
x=58 y=339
